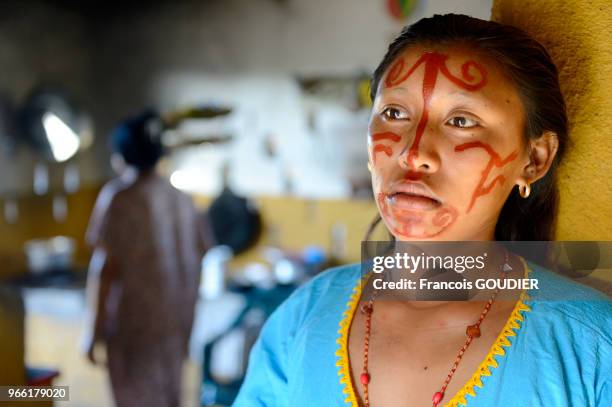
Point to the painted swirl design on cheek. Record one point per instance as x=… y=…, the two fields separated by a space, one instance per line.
x=381 y=148
x=387 y=135
x=495 y=160
x=445 y=217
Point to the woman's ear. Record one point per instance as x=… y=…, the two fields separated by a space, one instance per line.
x=542 y=151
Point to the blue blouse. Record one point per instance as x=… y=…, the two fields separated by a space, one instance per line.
x=550 y=353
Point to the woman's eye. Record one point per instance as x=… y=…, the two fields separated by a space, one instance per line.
x=392 y=113
x=462 y=122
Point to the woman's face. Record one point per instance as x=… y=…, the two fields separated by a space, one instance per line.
x=445 y=144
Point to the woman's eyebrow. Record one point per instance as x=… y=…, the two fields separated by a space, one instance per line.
x=399 y=91
x=395 y=89
x=464 y=95
x=470 y=100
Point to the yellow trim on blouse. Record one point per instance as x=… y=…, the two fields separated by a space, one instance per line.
x=514 y=322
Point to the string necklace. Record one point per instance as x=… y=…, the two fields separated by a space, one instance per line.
x=472 y=332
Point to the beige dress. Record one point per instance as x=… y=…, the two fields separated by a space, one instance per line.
x=150 y=232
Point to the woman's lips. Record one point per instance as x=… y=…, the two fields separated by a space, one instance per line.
x=404 y=201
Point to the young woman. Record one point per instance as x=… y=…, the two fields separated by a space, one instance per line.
x=463 y=111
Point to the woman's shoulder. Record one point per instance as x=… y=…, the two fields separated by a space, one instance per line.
x=106 y=199
x=110 y=192
x=328 y=283
x=330 y=289
x=333 y=279
x=569 y=303
x=557 y=286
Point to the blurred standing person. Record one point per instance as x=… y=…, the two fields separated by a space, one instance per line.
x=144 y=272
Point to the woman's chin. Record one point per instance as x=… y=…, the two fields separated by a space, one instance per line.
x=413 y=229
x=410 y=229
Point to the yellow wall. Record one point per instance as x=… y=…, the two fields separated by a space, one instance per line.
x=577 y=35
x=293 y=223
x=36 y=221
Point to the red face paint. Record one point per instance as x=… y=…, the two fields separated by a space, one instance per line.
x=387 y=135
x=413 y=224
x=434 y=64
x=419 y=224
x=445 y=217
x=494 y=161
x=413 y=176
x=378 y=148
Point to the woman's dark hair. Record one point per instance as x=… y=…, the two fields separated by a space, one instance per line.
x=138 y=140
x=528 y=65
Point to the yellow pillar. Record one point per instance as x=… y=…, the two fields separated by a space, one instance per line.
x=577 y=34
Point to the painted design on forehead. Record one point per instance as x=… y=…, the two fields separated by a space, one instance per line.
x=435 y=63
x=494 y=161
x=378 y=148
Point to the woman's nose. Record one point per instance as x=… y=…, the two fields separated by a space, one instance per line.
x=421 y=156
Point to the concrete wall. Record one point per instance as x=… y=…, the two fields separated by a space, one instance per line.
x=41 y=44
x=118 y=58
x=248 y=55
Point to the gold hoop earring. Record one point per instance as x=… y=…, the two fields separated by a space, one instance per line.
x=524 y=190
x=369 y=166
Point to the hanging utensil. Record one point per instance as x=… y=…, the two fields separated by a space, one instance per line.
x=54 y=127
x=57 y=130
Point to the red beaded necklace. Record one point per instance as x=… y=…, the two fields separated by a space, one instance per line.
x=472 y=332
